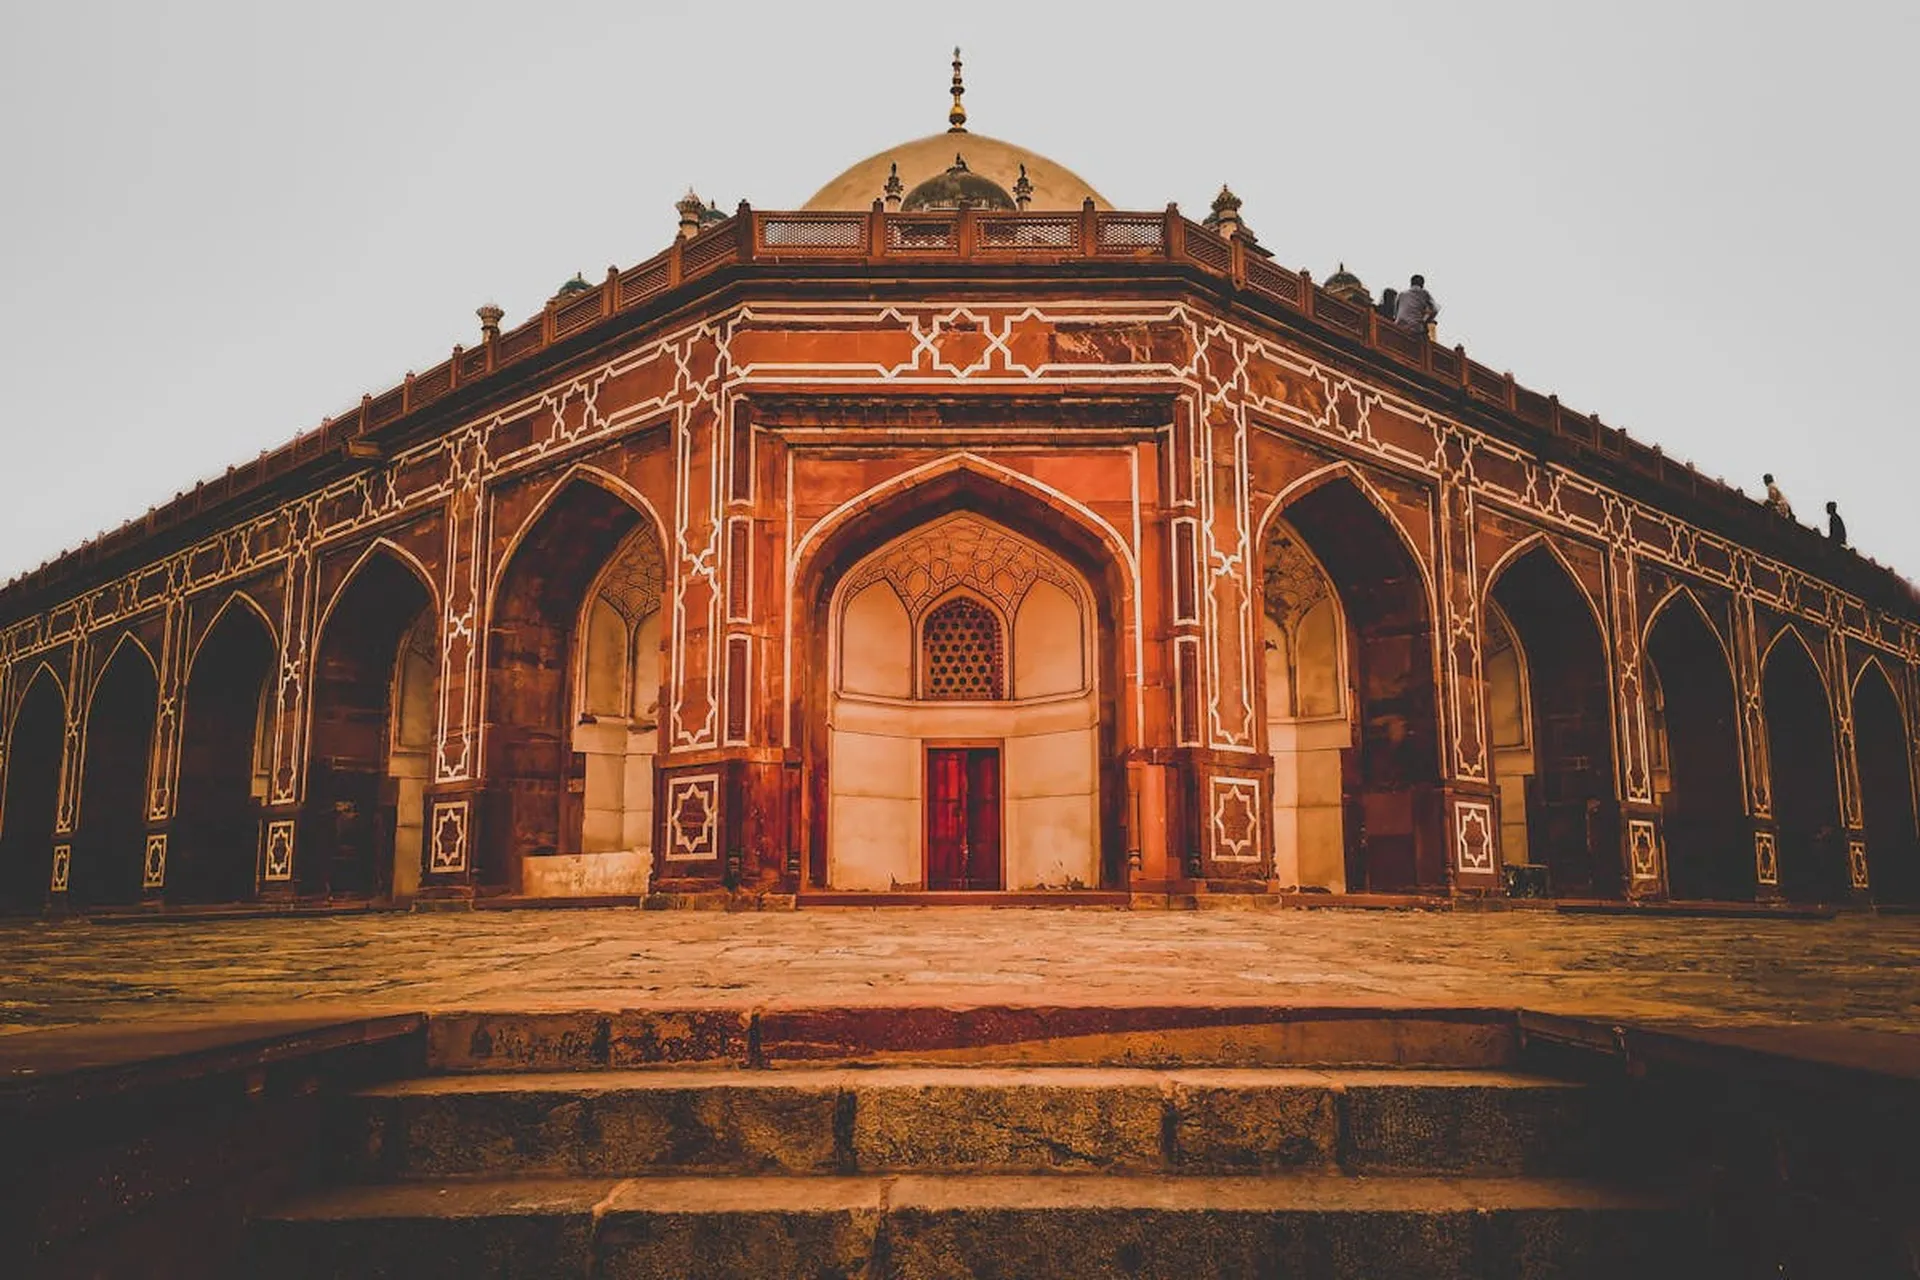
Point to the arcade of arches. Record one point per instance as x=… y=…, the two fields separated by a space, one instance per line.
x=963 y=722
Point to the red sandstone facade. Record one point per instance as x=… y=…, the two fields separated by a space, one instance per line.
x=1315 y=603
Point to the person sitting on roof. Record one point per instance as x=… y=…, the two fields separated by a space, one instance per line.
x=1836 y=527
x=1413 y=308
x=1777 y=501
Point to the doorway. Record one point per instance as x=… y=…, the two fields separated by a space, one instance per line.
x=963 y=817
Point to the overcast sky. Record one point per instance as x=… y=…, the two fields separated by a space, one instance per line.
x=224 y=221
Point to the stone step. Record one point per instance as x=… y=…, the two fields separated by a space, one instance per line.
x=981 y=1119
x=908 y=1227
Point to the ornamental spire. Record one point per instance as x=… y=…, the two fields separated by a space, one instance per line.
x=957 y=118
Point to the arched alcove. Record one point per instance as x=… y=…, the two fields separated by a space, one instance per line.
x=109 y=841
x=1696 y=757
x=1811 y=841
x=963 y=725
x=1886 y=789
x=1568 y=798
x=350 y=823
x=536 y=776
x=32 y=794
x=617 y=721
x=1394 y=826
x=213 y=853
x=1098 y=564
x=1308 y=730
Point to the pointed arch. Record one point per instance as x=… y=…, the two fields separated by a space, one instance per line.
x=1802 y=741
x=380 y=546
x=534 y=611
x=1813 y=655
x=35 y=741
x=1568 y=793
x=578 y=473
x=236 y=600
x=1052 y=524
x=41 y=669
x=1884 y=751
x=213 y=849
x=126 y=639
x=115 y=775
x=1873 y=663
x=1684 y=596
x=1699 y=769
x=1393 y=821
x=1527 y=546
x=1333 y=473
x=351 y=811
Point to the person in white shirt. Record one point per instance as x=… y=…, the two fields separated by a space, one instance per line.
x=1776 y=500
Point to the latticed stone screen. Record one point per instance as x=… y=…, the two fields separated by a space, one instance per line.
x=964 y=653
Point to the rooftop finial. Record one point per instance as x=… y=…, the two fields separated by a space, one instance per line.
x=957 y=118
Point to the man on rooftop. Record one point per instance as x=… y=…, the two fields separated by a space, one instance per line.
x=1413 y=309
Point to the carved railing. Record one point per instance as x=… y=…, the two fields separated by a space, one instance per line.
x=754 y=238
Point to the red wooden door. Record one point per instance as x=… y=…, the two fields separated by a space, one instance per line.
x=963 y=818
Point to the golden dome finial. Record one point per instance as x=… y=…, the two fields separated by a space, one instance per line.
x=957 y=118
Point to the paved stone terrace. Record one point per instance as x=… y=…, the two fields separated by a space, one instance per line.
x=1858 y=972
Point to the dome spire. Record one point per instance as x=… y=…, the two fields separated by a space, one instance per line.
x=957 y=118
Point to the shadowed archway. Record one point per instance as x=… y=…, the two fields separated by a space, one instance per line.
x=32 y=795
x=108 y=844
x=352 y=811
x=1394 y=824
x=214 y=849
x=536 y=781
x=1886 y=789
x=1806 y=787
x=1572 y=810
x=1696 y=742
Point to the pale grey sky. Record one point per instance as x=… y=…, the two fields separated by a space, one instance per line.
x=224 y=221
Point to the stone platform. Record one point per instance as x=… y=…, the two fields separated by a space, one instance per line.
x=1852 y=972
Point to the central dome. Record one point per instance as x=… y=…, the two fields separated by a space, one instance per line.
x=1055 y=187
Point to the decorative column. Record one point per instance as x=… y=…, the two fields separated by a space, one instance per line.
x=1645 y=845
x=1846 y=748
x=1471 y=851
x=292 y=686
x=1753 y=736
x=453 y=794
x=66 y=812
x=163 y=774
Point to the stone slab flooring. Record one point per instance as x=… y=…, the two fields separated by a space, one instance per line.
x=1858 y=972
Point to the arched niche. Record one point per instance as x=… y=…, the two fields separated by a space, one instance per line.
x=539 y=625
x=213 y=852
x=1885 y=754
x=1304 y=646
x=363 y=772
x=1393 y=822
x=1811 y=841
x=32 y=793
x=109 y=840
x=964 y=716
x=1568 y=799
x=617 y=713
x=1695 y=740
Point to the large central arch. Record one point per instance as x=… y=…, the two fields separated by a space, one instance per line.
x=1394 y=825
x=885 y=518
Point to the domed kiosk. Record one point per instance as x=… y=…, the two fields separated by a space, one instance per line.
x=1054 y=187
